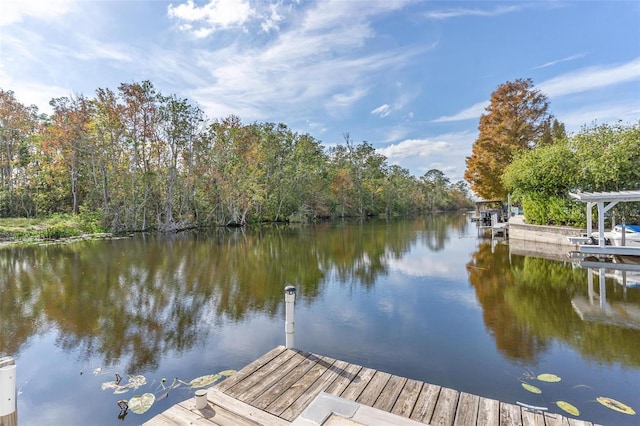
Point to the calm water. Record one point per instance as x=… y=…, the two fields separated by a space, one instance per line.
x=424 y=299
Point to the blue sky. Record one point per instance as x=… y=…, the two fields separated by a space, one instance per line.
x=409 y=77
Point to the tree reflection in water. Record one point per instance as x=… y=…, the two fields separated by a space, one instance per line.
x=526 y=303
x=390 y=294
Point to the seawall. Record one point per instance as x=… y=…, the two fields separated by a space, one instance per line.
x=549 y=242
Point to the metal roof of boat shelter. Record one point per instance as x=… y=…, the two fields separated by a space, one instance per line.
x=605 y=201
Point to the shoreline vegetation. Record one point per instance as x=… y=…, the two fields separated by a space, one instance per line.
x=54 y=229
x=133 y=159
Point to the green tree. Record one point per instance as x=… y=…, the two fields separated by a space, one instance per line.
x=436 y=187
x=598 y=158
x=141 y=116
x=515 y=121
x=18 y=127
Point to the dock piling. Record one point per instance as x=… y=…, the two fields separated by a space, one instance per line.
x=289 y=324
x=8 y=406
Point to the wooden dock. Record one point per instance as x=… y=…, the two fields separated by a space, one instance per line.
x=292 y=387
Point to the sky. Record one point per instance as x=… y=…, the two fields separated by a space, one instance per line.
x=409 y=77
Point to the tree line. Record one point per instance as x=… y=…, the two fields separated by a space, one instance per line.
x=523 y=150
x=136 y=159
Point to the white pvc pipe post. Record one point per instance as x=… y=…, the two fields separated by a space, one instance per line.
x=7 y=386
x=289 y=323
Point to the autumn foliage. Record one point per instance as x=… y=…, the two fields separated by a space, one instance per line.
x=142 y=160
x=516 y=120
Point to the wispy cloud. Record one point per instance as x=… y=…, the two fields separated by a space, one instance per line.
x=319 y=61
x=558 y=61
x=627 y=112
x=579 y=81
x=458 y=12
x=591 y=78
x=15 y=11
x=382 y=111
x=472 y=112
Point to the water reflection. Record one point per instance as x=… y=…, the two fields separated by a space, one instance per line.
x=527 y=305
x=389 y=295
x=143 y=297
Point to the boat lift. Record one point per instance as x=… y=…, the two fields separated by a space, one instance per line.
x=604 y=201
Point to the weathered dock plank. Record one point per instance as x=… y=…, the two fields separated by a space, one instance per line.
x=445 y=411
x=532 y=418
x=289 y=396
x=407 y=398
x=254 y=384
x=357 y=385
x=282 y=386
x=426 y=403
x=348 y=375
x=488 y=412
x=320 y=385
x=467 y=411
x=250 y=368
x=374 y=388
x=285 y=382
x=390 y=393
x=510 y=414
x=219 y=398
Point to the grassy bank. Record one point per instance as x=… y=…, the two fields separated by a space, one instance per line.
x=13 y=230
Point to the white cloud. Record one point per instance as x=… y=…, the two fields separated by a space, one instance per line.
x=272 y=21
x=15 y=11
x=591 y=78
x=38 y=94
x=215 y=15
x=317 y=62
x=414 y=147
x=382 y=110
x=604 y=113
x=579 y=81
x=472 y=112
x=455 y=13
x=558 y=61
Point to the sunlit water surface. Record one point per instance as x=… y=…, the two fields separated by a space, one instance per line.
x=426 y=299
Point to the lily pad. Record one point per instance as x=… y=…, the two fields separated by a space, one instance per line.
x=547 y=377
x=531 y=388
x=615 y=405
x=134 y=383
x=568 y=408
x=204 y=380
x=139 y=404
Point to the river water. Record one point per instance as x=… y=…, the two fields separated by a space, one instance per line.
x=424 y=298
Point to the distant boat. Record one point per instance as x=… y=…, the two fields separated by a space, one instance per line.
x=614 y=237
x=631 y=235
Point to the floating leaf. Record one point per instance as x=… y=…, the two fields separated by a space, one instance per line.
x=134 y=383
x=531 y=388
x=120 y=390
x=568 y=408
x=204 y=380
x=547 y=377
x=227 y=373
x=139 y=404
x=615 y=405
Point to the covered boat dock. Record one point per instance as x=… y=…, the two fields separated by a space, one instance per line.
x=604 y=201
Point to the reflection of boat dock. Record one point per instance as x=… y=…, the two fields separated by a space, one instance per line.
x=596 y=308
x=291 y=387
